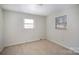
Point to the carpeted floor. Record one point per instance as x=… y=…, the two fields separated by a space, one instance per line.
x=40 y=47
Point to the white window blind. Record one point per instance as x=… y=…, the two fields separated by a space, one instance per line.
x=28 y=23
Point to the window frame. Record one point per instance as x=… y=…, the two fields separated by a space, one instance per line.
x=28 y=23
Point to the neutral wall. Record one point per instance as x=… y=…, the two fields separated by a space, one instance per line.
x=14 y=33
x=69 y=37
x=1 y=29
x=14 y=28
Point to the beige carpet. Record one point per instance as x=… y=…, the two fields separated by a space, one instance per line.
x=40 y=47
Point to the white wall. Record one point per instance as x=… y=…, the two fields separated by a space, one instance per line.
x=15 y=32
x=70 y=37
x=1 y=29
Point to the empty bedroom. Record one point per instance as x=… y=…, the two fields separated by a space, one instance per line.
x=39 y=29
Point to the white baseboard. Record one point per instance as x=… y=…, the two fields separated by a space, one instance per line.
x=76 y=50
x=70 y=48
x=16 y=43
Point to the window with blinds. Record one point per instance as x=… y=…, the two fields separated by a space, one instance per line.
x=28 y=23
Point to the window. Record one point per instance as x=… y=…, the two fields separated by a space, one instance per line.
x=28 y=23
x=61 y=22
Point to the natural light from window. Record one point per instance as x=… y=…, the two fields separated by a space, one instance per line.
x=28 y=23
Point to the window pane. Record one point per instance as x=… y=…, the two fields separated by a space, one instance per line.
x=28 y=23
x=28 y=26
